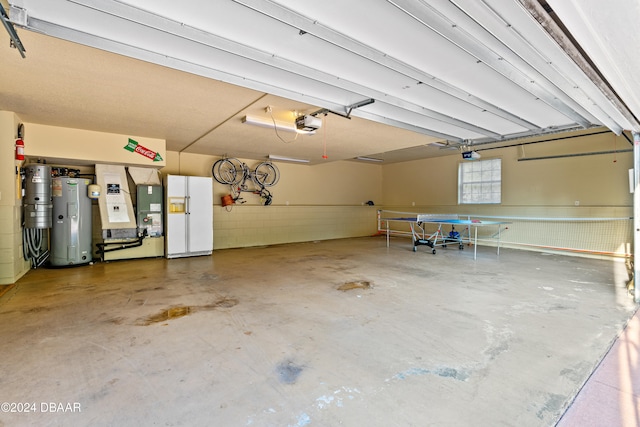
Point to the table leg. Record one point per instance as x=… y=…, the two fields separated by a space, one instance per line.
x=475 y=243
x=387 y=233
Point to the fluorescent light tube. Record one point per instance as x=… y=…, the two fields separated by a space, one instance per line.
x=369 y=159
x=287 y=159
x=279 y=125
x=268 y=123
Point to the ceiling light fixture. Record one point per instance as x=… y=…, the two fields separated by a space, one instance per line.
x=287 y=159
x=269 y=123
x=369 y=159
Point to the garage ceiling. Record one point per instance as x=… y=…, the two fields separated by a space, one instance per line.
x=387 y=78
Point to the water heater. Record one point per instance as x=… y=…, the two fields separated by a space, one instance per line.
x=71 y=230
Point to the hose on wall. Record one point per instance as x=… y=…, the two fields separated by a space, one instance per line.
x=32 y=250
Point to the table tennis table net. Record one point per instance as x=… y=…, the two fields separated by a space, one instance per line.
x=435 y=217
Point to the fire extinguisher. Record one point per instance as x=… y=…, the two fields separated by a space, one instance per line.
x=19 y=149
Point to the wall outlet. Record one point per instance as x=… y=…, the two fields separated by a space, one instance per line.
x=577 y=202
x=413 y=203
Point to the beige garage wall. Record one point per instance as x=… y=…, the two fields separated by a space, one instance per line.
x=333 y=183
x=12 y=263
x=326 y=201
x=546 y=187
x=78 y=146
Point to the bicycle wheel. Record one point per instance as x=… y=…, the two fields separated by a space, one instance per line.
x=227 y=171
x=266 y=174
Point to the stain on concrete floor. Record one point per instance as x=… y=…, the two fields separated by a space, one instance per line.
x=358 y=284
x=184 y=310
x=288 y=371
x=441 y=371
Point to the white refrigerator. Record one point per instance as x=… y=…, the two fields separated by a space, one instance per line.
x=189 y=207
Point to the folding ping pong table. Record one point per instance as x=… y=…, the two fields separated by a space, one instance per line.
x=439 y=238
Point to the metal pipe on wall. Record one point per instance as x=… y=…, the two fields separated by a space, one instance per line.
x=636 y=213
x=562 y=156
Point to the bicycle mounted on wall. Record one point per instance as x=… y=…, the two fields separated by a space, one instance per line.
x=241 y=178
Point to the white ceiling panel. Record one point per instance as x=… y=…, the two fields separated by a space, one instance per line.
x=436 y=100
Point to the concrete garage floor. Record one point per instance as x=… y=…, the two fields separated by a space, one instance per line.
x=343 y=332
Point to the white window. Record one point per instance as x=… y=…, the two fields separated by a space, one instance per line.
x=480 y=181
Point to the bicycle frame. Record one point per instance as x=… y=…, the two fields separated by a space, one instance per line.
x=241 y=178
